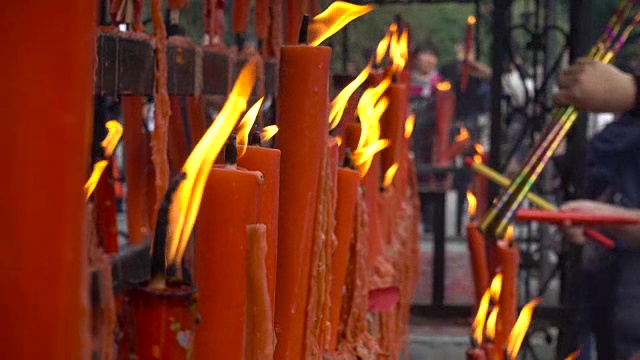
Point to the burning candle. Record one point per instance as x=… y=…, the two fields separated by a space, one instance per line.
x=106 y=224
x=477 y=253
x=348 y=183
x=165 y=322
x=138 y=170
x=445 y=107
x=262 y=19
x=294 y=18
x=509 y=258
x=520 y=329
x=229 y=204
x=468 y=48
x=45 y=303
x=267 y=161
x=392 y=124
x=240 y=20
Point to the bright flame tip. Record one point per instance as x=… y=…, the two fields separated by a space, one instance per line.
x=334 y=18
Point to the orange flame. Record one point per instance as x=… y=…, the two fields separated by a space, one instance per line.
x=399 y=50
x=187 y=198
x=340 y=102
x=574 y=355
x=390 y=175
x=508 y=236
x=520 y=328
x=409 y=124
x=471 y=20
x=371 y=106
x=464 y=135
x=477 y=158
x=483 y=308
x=472 y=204
x=268 y=132
x=108 y=145
x=334 y=18
x=339 y=140
x=383 y=45
x=492 y=320
x=443 y=86
x=245 y=125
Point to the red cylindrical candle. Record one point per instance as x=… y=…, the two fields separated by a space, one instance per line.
x=294 y=21
x=164 y=322
x=445 y=107
x=178 y=149
x=45 y=292
x=240 y=20
x=196 y=114
x=371 y=183
x=262 y=19
x=106 y=224
x=348 y=183
x=302 y=110
x=392 y=124
x=478 y=257
x=468 y=47
x=229 y=204
x=267 y=161
x=509 y=258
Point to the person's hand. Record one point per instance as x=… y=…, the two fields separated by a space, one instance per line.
x=480 y=70
x=628 y=233
x=593 y=86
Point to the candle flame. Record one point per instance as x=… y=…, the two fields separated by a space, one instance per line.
x=371 y=106
x=508 y=235
x=113 y=137
x=383 y=45
x=472 y=204
x=471 y=20
x=268 y=132
x=342 y=99
x=245 y=125
x=477 y=158
x=334 y=18
x=187 y=198
x=483 y=308
x=496 y=287
x=108 y=145
x=574 y=355
x=390 y=175
x=443 y=86
x=492 y=320
x=463 y=136
x=409 y=124
x=520 y=328
x=339 y=140
x=399 y=50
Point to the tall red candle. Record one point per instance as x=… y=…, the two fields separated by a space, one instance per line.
x=302 y=110
x=44 y=149
x=478 y=257
x=262 y=19
x=509 y=257
x=445 y=107
x=392 y=124
x=240 y=20
x=371 y=185
x=468 y=48
x=106 y=224
x=348 y=184
x=267 y=161
x=178 y=149
x=229 y=204
x=294 y=20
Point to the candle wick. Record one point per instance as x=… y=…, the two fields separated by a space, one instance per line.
x=231 y=152
x=158 y=267
x=348 y=161
x=241 y=38
x=254 y=138
x=304 y=30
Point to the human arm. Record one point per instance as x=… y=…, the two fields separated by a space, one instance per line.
x=593 y=86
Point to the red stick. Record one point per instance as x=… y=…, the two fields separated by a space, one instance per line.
x=576 y=218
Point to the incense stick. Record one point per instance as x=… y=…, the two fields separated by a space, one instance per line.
x=500 y=215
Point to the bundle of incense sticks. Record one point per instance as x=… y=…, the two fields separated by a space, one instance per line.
x=501 y=214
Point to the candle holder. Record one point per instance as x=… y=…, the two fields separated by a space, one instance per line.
x=162 y=321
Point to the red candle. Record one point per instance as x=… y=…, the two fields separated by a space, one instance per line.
x=274 y=38
x=229 y=204
x=445 y=107
x=489 y=351
x=164 y=322
x=262 y=19
x=138 y=170
x=260 y=341
x=177 y=138
x=106 y=224
x=509 y=258
x=294 y=20
x=468 y=47
x=371 y=183
x=196 y=114
x=348 y=184
x=478 y=257
x=267 y=161
x=240 y=20
x=45 y=292
x=476 y=353
x=302 y=110
x=392 y=124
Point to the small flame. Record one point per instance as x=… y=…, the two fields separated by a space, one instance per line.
x=409 y=124
x=364 y=157
x=483 y=308
x=472 y=204
x=491 y=323
x=339 y=140
x=508 y=236
x=496 y=287
x=399 y=50
x=477 y=158
x=520 y=328
x=443 y=86
x=268 y=132
x=108 y=145
x=464 y=135
x=383 y=45
x=471 y=20
x=340 y=102
x=245 y=125
x=113 y=137
x=390 y=175
x=574 y=355
x=96 y=173
x=188 y=196
x=334 y=18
